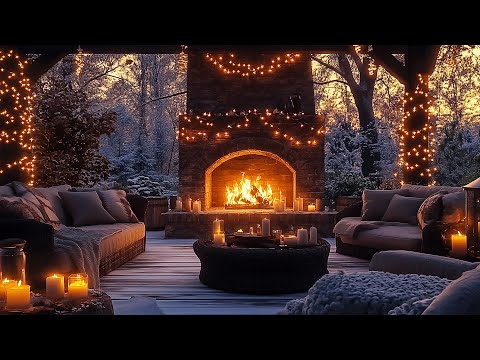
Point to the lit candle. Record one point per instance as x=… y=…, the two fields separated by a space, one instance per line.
x=318 y=204
x=313 y=236
x=219 y=238
x=216 y=226
x=302 y=236
x=18 y=297
x=311 y=207
x=197 y=206
x=266 y=227
x=178 y=206
x=188 y=204
x=77 y=286
x=55 y=287
x=459 y=245
x=4 y=286
x=251 y=230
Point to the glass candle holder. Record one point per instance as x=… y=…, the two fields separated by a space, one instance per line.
x=277 y=234
x=77 y=286
x=13 y=260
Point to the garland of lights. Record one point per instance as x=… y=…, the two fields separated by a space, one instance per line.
x=231 y=66
x=16 y=111
x=418 y=157
x=204 y=123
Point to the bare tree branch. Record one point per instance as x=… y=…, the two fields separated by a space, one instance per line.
x=328 y=66
x=330 y=81
x=388 y=89
x=357 y=60
x=164 y=97
x=344 y=65
x=102 y=74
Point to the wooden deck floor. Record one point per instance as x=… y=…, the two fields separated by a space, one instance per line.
x=168 y=271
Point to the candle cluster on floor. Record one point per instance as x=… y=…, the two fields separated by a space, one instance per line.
x=287 y=127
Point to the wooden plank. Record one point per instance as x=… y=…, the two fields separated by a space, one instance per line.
x=168 y=271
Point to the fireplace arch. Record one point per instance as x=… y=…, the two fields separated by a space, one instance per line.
x=228 y=168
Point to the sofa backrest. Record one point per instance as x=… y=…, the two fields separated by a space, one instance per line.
x=422 y=191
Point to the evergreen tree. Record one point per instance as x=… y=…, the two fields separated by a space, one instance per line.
x=68 y=136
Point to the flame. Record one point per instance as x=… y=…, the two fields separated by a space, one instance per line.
x=459 y=233
x=5 y=281
x=248 y=192
x=19 y=283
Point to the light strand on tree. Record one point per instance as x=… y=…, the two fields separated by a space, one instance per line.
x=413 y=155
x=79 y=61
x=372 y=67
x=16 y=99
x=229 y=65
x=203 y=126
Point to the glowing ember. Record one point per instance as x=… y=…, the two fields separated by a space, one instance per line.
x=250 y=193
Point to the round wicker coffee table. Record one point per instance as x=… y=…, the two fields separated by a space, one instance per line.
x=261 y=270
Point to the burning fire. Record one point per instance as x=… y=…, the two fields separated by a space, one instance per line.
x=248 y=192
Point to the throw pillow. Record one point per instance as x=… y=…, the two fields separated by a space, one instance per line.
x=453 y=207
x=19 y=188
x=117 y=205
x=375 y=202
x=51 y=193
x=431 y=209
x=18 y=208
x=403 y=209
x=7 y=190
x=85 y=208
x=461 y=296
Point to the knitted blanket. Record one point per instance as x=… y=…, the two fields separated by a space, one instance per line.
x=365 y=293
x=83 y=249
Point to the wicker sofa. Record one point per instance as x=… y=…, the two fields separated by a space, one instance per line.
x=386 y=236
x=123 y=242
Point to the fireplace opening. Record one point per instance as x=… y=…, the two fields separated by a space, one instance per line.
x=249 y=179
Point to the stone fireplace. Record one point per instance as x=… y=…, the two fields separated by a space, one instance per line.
x=240 y=129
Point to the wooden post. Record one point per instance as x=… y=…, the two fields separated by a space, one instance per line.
x=416 y=130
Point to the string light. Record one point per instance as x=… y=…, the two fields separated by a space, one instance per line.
x=228 y=64
x=372 y=67
x=203 y=126
x=79 y=61
x=417 y=147
x=16 y=99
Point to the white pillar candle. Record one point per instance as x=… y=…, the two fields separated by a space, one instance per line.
x=18 y=297
x=55 y=287
x=300 y=204
x=318 y=204
x=4 y=286
x=313 y=236
x=188 y=204
x=178 y=205
x=251 y=230
x=290 y=240
x=311 y=207
x=265 y=227
x=302 y=236
x=295 y=205
x=219 y=239
x=216 y=226
x=459 y=245
x=281 y=196
x=197 y=206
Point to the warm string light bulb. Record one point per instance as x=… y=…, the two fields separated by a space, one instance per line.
x=420 y=156
x=16 y=106
x=261 y=119
x=229 y=64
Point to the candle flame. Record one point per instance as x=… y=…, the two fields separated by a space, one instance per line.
x=5 y=281
x=459 y=233
x=19 y=283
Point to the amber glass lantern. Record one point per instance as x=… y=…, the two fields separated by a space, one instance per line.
x=472 y=217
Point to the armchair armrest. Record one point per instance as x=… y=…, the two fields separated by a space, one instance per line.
x=410 y=262
x=139 y=205
x=38 y=235
x=353 y=210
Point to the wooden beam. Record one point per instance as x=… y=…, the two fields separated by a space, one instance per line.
x=390 y=63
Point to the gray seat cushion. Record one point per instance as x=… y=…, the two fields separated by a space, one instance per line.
x=388 y=237
x=123 y=235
